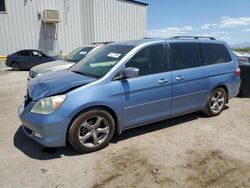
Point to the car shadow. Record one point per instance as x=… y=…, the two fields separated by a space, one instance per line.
x=157 y=126
x=11 y=70
x=34 y=150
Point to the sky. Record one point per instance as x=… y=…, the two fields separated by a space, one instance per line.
x=227 y=20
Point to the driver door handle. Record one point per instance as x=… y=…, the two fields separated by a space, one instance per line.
x=162 y=81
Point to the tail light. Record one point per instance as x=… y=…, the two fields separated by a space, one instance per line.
x=237 y=72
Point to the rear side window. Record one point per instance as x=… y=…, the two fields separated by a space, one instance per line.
x=215 y=53
x=185 y=55
x=24 y=53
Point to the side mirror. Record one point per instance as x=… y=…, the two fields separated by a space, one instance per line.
x=130 y=72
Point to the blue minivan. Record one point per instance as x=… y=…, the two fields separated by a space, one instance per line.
x=129 y=84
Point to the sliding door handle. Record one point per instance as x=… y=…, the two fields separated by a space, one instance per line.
x=179 y=78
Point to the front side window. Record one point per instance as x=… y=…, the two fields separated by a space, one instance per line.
x=36 y=54
x=99 y=62
x=2 y=6
x=149 y=60
x=185 y=55
x=215 y=53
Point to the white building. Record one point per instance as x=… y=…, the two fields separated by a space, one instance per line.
x=63 y=25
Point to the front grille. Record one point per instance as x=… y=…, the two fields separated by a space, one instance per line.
x=32 y=74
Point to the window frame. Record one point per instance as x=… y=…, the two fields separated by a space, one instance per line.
x=5 y=10
x=165 y=57
x=172 y=64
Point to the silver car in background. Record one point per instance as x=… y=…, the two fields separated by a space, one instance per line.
x=73 y=57
x=242 y=58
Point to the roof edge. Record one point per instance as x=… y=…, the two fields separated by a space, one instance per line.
x=138 y=2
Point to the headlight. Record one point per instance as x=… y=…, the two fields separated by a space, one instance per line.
x=48 y=105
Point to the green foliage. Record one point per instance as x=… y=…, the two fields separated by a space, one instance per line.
x=247 y=50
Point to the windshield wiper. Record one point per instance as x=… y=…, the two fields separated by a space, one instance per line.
x=68 y=60
x=85 y=74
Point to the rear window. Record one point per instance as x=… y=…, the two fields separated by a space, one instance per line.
x=185 y=55
x=215 y=53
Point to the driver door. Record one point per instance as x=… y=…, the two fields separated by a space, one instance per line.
x=147 y=98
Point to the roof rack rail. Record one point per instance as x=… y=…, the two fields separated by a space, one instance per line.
x=192 y=37
x=105 y=42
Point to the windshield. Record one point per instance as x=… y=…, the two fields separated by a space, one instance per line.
x=78 y=54
x=98 y=63
x=49 y=53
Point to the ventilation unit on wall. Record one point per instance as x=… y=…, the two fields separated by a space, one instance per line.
x=50 y=16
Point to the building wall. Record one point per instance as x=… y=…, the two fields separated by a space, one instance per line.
x=81 y=22
x=119 y=20
x=21 y=27
x=87 y=20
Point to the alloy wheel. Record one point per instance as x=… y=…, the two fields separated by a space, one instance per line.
x=93 y=131
x=217 y=101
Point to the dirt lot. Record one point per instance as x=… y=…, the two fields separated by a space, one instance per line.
x=188 y=151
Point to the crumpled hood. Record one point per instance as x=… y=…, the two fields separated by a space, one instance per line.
x=55 y=82
x=52 y=66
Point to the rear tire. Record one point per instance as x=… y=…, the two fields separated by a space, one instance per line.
x=216 y=102
x=16 y=66
x=91 y=130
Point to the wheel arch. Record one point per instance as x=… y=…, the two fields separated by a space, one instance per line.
x=103 y=107
x=14 y=61
x=17 y=62
x=223 y=87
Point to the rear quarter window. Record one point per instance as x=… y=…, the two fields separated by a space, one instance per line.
x=215 y=53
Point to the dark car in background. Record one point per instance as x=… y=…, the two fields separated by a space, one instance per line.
x=26 y=59
x=73 y=57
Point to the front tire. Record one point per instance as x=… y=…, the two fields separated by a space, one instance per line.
x=91 y=130
x=216 y=102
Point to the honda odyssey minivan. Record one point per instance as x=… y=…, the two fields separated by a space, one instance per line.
x=129 y=84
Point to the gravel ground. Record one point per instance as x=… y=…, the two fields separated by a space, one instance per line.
x=188 y=151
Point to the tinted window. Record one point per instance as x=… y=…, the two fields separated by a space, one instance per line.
x=149 y=60
x=185 y=55
x=24 y=53
x=2 y=6
x=215 y=53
